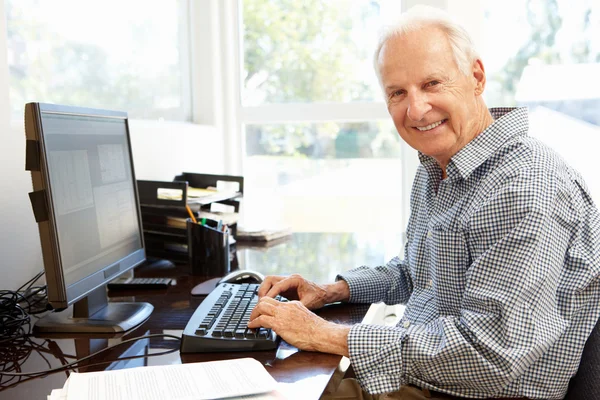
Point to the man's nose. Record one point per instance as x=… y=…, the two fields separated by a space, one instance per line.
x=418 y=106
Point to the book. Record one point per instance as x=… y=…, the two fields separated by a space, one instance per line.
x=205 y=380
x=263 y=246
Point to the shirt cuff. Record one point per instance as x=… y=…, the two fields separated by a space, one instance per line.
x=376 y=357
x=365 y=285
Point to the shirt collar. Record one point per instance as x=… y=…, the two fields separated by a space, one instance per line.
x=508 y=122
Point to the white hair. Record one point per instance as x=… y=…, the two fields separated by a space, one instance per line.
x=420 y=16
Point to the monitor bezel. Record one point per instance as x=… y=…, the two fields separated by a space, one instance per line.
x=61 y=295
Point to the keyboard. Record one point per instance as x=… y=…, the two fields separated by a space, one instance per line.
x=220 y=322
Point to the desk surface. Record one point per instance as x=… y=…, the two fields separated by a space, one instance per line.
x=318 y=256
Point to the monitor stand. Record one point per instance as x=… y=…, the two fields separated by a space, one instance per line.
x=94 y=314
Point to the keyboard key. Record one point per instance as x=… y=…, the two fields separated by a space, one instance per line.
x=240 y=333
x=263 y=333
x=228 y=332
x=201 y=331
x=206 y=324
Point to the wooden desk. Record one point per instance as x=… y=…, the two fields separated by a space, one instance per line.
x=303 y=375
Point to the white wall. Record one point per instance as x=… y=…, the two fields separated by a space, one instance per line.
x=162 y=150
x=20 y=254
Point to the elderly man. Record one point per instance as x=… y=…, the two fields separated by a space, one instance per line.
x=500 y=270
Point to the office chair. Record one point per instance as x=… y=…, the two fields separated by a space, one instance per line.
x=586 y=383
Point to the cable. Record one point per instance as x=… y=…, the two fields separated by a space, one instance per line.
x=10 y=380
x=36 y=299
x=16 y=345
x=16 y=308
x=31 y=281
x=73 y=364
x=13 y=318
x=16 y=355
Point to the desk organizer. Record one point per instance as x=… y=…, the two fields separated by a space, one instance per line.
x=164 y=214
x=208 y=249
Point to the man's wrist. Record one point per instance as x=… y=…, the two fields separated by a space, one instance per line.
x=338 y=291
x=334 y=339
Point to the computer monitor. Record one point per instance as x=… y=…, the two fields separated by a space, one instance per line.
x=86 y=205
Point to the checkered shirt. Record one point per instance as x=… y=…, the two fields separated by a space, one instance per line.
x=500 y=275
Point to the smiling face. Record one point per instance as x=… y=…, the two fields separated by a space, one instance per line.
x=435 y=108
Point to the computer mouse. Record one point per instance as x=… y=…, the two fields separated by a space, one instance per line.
x=243 y=276
x=157 y=263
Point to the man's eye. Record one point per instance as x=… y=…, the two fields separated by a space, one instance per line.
x=396 y=93
x=432 y=83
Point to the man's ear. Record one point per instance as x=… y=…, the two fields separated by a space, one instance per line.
x=479 y=76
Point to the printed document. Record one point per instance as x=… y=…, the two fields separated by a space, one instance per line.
x=192 y=381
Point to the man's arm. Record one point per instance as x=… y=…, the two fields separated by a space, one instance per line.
x=389 y=283
x=338 y=291
x=298 y=326
x=295 y=287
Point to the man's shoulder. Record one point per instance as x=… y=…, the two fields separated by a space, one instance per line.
x=544 y=160
x=528 y=156
x=532 y=173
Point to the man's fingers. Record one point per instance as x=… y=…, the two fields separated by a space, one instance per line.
x=283 y=286
x=264 y=288
x=265 y=306
x=264 y=321
x=264 y=313
x=268 y=284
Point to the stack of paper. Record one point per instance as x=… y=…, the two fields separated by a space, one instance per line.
x=261 y=235
x=209 y=195
x=241 y=378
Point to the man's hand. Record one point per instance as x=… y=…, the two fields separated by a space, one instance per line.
x=295 y=287
x=298 y=326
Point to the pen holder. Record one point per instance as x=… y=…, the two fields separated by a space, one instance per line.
x=208 y=249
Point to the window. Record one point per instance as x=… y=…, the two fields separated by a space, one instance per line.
x=127 y=55
x=312 y=51
x=327 y=176
x=549 y=60
x=321 y=152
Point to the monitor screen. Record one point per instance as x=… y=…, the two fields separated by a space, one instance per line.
x=85 y=198
x=92 y=190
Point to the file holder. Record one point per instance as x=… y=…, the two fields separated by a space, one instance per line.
x=164 y=217
x=208 y=249
x=165 y=233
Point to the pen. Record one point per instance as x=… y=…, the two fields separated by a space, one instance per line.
x=203 y=222
x=219 y=225
x=189 y=210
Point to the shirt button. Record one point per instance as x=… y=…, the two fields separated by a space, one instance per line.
x=429 y=234
x=429 y=283
x=406 y=324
